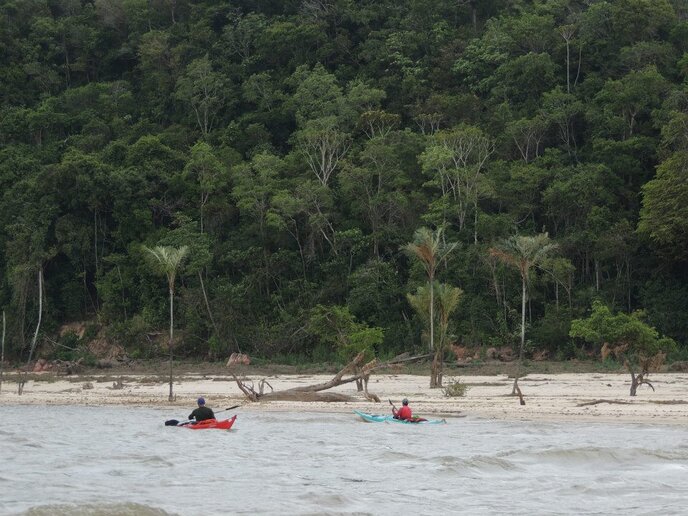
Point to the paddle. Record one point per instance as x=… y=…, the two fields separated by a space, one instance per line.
x=394 y=409
x=174 y=422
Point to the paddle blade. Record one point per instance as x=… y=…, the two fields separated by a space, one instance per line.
x=171 y=422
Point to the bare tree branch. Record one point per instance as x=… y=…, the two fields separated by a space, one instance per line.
x=357 y=369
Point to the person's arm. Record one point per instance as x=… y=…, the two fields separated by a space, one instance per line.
x=192 y=415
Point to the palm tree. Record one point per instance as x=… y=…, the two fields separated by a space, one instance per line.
x=430 y=249
x=523 y=253
x=447 y=299
x=167 y=261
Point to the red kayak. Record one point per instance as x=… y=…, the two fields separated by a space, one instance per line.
x=224 y=424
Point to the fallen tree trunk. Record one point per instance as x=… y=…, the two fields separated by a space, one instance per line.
x=361 y=372
x=327 y=397
x=597 y=402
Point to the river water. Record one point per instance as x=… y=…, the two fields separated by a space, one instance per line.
x=124 y=461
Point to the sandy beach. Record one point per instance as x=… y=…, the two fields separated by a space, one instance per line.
x=549 y=397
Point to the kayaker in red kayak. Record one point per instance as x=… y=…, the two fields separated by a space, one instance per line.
x=202 y=412
x=404 y=412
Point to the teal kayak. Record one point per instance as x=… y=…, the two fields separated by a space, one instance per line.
x=375 y=418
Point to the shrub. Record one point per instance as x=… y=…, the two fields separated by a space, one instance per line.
x=456 y=389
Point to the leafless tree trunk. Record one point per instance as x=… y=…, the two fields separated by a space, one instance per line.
x=205 y=298
x=638 y=379
x=95 y=238
x=121 y=282
x=25 y=374
x=66 y=57
x=524 y=293
x=171 y=396
x=597 y=275
x=2 y=349
x=567 y=32
x=474 y=11
x=23 y=288
x=519 y=394
x=436 y=372
x=173 y=6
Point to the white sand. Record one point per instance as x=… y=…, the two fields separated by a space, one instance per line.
x=552 y=397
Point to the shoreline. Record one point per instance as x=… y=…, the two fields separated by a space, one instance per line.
x=564 y=397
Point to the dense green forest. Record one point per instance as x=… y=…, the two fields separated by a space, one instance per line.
x=296 y=147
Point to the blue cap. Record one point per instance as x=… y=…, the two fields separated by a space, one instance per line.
x=201 y=401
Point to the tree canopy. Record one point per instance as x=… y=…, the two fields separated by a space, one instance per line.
x=297 y=147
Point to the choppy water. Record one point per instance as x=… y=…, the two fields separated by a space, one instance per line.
x=123 y=461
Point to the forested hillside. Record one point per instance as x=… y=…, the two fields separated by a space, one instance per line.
x=297 y=146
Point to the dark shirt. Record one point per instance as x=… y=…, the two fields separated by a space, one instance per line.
x=202 y=413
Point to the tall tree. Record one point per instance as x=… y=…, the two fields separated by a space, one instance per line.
x=523 y=253
x=375 y=189
x=167 y=261
x=323 y=145
x=203 y=89
x=208 y=172
x=665 y=207
x=447 y=300
x=430 y=248
x=458 y=159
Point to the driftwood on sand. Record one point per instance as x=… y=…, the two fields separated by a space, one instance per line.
x=597 y=402
x=354 y=371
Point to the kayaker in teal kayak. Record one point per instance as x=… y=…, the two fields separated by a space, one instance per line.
x=202 y=412
x=404 y=412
